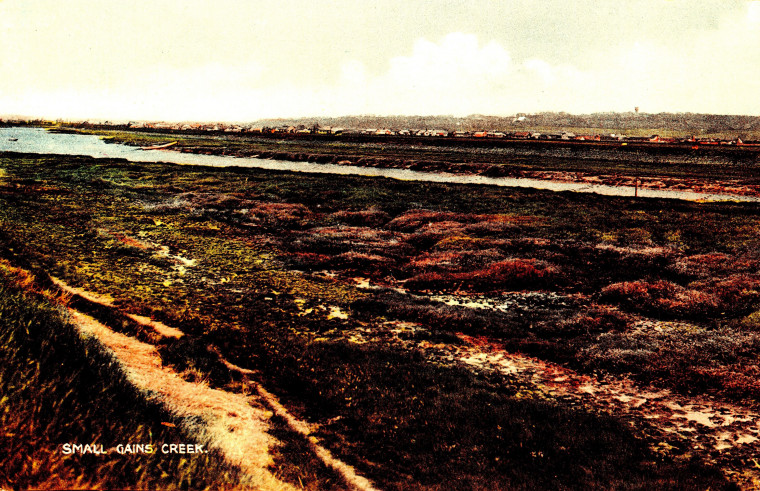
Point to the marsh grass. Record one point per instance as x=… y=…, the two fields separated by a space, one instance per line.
x=57 y=387
x=435 y=427
x=395 y=416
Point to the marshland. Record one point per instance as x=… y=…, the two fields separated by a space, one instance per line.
x=422 y=335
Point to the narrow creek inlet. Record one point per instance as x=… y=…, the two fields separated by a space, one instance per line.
x=38 y=140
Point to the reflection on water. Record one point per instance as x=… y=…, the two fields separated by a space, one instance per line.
x=37 y=140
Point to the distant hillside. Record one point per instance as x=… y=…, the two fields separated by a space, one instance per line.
x=664 y=123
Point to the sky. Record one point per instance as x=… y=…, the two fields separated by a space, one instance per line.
x=223 y=60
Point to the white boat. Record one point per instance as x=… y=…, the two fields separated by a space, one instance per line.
x=159 y=147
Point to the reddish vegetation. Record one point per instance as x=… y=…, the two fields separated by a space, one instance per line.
x=357 y=235
x=127 y=241
x=222 y=201
x=430 y=249
x=438 y=261
x=739 y=381
x=596 y=320
x=501 y=275
x=733 y=295
x=525 y=268
x=359 y=262
x=661 y=298
x=363 y=218
x=493 y=227
x=711 y=264
x=414 y=219
x=735 y=292
x=279 y=213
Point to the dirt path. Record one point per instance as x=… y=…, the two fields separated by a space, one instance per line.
x=225 y=421
x=349 y=474
x=235 y=424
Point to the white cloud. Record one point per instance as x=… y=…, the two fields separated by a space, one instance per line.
x=244 y=74
x=449 y=76
x=753 y=12
x=458 y=75
x=455 y=62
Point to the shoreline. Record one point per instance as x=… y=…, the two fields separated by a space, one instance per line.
x=586 y=171
x=695 y=185
x=736 y=186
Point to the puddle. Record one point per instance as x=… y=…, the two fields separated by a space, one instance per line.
x=164 y=251
x=362 y=283
x=336 y=313
x=506 y=301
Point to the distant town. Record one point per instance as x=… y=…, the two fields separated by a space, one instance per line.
x=663 y=128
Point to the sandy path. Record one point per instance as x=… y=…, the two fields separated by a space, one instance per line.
x=349 y=473
x=235 y=424
x=222 y=420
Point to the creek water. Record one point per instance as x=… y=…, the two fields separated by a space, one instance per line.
x=38 y=140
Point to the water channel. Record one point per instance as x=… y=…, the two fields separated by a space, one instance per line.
x=40 y=141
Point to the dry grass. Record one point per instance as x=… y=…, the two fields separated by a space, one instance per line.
x=233 y=424
x=58 y=387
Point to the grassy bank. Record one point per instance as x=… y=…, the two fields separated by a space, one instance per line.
x=58 y=388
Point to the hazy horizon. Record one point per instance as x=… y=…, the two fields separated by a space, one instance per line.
x=247 y=61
